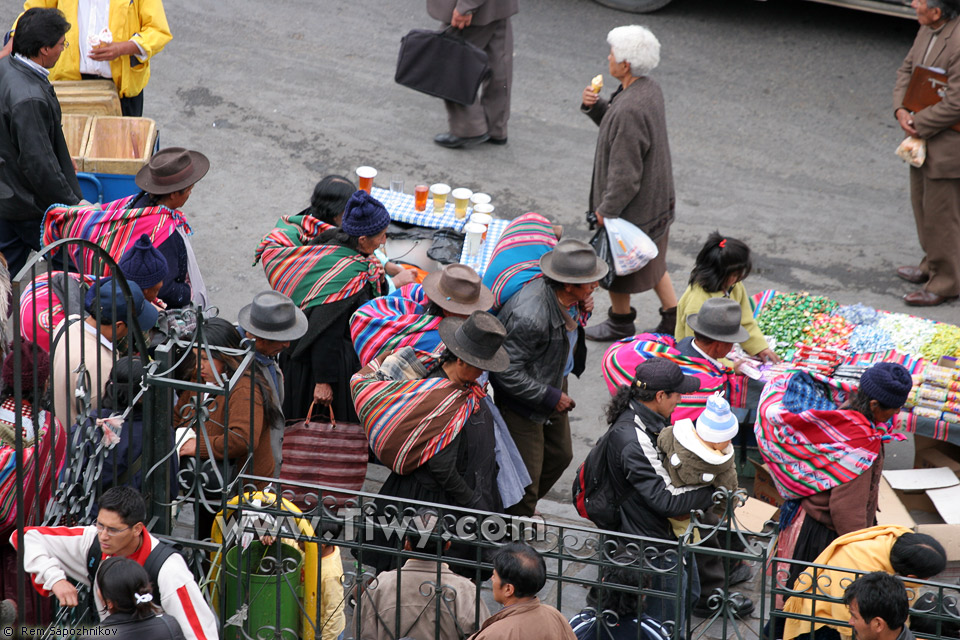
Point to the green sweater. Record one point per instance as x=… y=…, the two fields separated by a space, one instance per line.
x=694 y=297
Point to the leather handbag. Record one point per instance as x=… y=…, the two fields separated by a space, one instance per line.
x=327 y=453
x=601 y=244
x=442 y=64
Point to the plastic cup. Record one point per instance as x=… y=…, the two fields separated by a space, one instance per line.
x=483 y=208
x=420 y=197
x=396 y=184
x=439 y=192
x=474 y=238
x=461 y=199
x=479 y=198
x=482 y=219
x=365 y=176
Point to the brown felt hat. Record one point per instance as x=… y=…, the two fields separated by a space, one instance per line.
x=477 y=340
x=457 y=288
x=573 y=262
x=172 y=169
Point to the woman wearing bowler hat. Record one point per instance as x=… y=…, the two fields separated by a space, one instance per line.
x=167 y=181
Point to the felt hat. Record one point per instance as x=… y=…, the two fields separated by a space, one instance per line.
x=34 y=365
x=719 y=319
x=105 y=300
x=458 y=289
x=143 y=263
x=364 y=215
x=573 y=262
x=660 y=374
x=477 y=340
x=717 y=423
x=172 y=169
x=888 y=383
x=273 y=316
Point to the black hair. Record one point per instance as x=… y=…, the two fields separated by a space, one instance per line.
x=124 y=383
x=879 y=595
x=120 y=581
x=433 y=309
x=330 y=197
x=918 y=555
x=38 y=28
x=556 y=285
x=126 y=502
x=702 y=339
x=860 y=403
x=520 y=565
x=623 y=603
x=222 y=333
x=715 y=263
x=338 y=236
x=949 y=8
x=624 y=395
x=331 y=529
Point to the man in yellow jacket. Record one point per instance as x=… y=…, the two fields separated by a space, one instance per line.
x=112 y=39
x=888 y=548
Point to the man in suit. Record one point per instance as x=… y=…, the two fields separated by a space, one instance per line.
x=485 y=23
x=934 y=187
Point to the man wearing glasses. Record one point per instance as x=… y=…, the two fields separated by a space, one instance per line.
x=56 y=555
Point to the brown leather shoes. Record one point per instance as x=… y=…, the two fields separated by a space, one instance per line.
x=923 y=298
x=912 y=274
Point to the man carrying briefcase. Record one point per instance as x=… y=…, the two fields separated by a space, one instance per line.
x=486 y=24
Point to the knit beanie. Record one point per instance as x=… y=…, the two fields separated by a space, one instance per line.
x=32 y=358
x=888 y=383
x=364 y=215
x=143 y=263
x=717 y=423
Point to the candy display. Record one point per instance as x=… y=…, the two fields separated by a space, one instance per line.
x=786 y=315
x=828 y=331
x=908 y=333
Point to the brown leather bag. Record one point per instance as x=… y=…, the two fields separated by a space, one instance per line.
x=926 y=88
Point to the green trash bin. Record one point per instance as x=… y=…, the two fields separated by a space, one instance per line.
x=266 y=586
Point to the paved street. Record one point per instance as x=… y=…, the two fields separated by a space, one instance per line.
x=779 y=112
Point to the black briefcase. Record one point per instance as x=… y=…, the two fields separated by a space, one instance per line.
x=441 y=64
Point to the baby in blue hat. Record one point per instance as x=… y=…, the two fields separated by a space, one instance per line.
x=702 y=454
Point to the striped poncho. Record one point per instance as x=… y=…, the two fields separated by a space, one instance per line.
x=111 y=226
x=394 y=321
x=814 y=450
x=620 y=362
x=409 y=421
x=312 y=275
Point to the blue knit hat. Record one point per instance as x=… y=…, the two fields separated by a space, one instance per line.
x=888 y=383
x=717 y=423
x=144 y=264
x=364 y=215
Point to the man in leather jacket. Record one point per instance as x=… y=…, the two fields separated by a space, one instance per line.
x=546 y=343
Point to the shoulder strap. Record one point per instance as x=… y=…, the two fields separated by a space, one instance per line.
x=158 y=555
x=94 y=557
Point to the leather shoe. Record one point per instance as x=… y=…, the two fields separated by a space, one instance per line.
x=740 y=606
x=451 y=141
x=498 y=141
x=924 y=298
x=912 y=274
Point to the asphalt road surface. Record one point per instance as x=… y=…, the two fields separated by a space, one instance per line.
x=779 y=115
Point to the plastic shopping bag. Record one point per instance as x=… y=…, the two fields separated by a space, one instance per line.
x=913 y=150
x=631 y=248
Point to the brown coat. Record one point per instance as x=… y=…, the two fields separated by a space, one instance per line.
x=632 y=172
x=933 y=123
x=484 y=11
x=852 y=505
x=526 y=621
x=241 y=423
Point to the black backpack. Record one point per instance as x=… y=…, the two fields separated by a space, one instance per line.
x=158 y=555
x=594 y=494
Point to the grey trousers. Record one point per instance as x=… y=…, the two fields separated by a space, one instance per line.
x=490 y=112
x=936 y=209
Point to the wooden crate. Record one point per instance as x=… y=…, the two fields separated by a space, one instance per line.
x=76 y=130
x=119 y=145
x=88 y=97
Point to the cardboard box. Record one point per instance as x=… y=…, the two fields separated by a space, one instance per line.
x=916 y=510
x=119 y=145
x=753 y=514
x=763 y=487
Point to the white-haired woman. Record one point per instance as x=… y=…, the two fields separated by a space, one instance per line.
x=632 y=174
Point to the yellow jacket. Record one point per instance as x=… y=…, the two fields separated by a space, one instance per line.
x=864 y=550
x=140 y=20
x=694 y=297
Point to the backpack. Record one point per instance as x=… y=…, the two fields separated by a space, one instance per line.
x=594 y=494
x=158 y=555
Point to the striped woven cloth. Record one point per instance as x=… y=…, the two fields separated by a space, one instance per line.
x=394 y=321
x=814 y=450
x=312 y=275
x=38 y=464
x=516 y=258
x=40 y=309
x=621 y=359
x=409 y=421
x=111 y=226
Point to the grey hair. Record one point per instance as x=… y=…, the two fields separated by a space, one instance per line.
x=636 y=45
x=950 y=9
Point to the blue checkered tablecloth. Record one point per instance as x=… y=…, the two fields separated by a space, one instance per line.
x=480 y=261
x=400 y=207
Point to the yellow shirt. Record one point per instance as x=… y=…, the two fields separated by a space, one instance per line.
x=332 y=620
x=694 y=297
x=142 y=21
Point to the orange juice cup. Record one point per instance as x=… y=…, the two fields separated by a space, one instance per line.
x=420 y=197
x=365 y=176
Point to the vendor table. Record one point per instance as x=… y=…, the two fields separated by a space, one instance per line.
x=400 y=206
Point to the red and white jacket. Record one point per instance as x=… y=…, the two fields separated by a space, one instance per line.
x=53 y=554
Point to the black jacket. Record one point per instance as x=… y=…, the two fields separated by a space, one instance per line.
x=538 y=348
x=158 y=627
x=35 y=166
x=634 y=459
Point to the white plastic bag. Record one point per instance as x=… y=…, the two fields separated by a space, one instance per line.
x=913 y=150
x=632 y=249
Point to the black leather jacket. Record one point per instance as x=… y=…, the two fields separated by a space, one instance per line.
x=35 y=166
x=538 y=348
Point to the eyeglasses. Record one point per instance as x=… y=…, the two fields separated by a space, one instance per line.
x=66 y=45
x=109 y=531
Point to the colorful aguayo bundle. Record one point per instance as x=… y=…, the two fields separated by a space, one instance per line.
x=394 y=321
